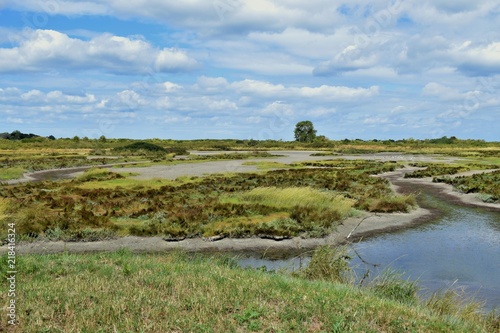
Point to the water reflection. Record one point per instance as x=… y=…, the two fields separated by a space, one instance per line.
x=460 y=250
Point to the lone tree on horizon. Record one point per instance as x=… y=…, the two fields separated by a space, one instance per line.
x=304 y=131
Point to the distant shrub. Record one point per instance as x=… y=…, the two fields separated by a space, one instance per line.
x=146 y=147
x=141 y=146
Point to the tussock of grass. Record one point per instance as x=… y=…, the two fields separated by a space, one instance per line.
x=451 y=302
x=124 y=292
x=391 y=203
x=391 y=285
x=291 y=211
x=329 y=264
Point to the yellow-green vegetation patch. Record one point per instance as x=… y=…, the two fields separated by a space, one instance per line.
x=264 y=165
x=300 y=196
x=98 y=174
x=11 y=173
x=488 y=160
x=174 y=292
x=134 y=165
x=326 y=153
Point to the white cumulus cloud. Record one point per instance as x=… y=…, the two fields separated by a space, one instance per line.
x=42 y=50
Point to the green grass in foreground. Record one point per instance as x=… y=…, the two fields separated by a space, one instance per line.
x=123 y=292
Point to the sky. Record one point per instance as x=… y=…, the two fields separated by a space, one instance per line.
x=250 y=69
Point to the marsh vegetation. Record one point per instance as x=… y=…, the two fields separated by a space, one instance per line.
x=301 y=201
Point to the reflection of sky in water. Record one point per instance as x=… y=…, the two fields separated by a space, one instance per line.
x=461 y=250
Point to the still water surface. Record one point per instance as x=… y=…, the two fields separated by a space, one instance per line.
x=460 y=249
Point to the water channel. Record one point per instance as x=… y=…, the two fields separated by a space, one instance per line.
x=460 y=249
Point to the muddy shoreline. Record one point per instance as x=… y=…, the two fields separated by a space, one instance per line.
x=351 y=230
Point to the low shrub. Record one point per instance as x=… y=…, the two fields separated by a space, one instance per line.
x=147 y=149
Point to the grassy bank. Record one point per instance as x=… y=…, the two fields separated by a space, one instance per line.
x=124 y=292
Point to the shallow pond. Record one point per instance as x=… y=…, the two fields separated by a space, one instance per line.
x=460 y=249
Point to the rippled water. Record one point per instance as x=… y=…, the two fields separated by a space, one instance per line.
x=461 y=249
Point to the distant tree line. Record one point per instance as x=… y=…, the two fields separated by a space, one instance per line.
x=17 y=135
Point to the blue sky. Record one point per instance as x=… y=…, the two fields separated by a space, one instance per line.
x=250 y=69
